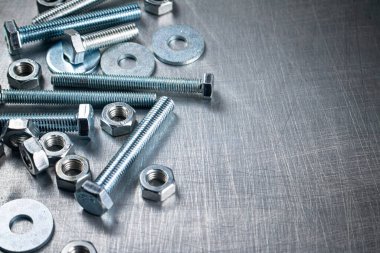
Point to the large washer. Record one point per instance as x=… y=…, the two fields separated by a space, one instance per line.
x=111 y=58
x=195 y=45
x=40 y=233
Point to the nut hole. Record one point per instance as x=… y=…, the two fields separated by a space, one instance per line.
x=72 y=167
x=118 y=113
x=127 y=61
x=55 y=143
x=16 y=139
x=23 y=69
x=21 y=224
x=79 y=249
x=177 y=43
x=156 y=178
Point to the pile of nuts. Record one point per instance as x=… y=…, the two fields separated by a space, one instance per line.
x=90 y=39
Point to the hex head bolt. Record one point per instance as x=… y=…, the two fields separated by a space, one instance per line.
x=98 y=197
x=203 y=87
x=16 y=36
x=76 y=45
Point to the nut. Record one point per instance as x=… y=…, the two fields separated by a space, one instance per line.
x=79 y=246
x=157 y=182
x=34 y=156
x=85 y=120
x=71 y=172
x=57 y=145
x=73 y=47
x=24 y=74
x=12 y=37
x=207 y=85
x=18 y=130
x=158 y=7
x=118 y=119
x=44 y=5
x=2 y=153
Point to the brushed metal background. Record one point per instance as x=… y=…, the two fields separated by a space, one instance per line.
x=285 y=158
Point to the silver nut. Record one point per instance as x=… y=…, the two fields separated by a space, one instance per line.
x=44 y=5
x=118 y=119
x=57 y=145
x=79 y=246
x=158 y=7
x=12 y=37
x=34 y=156
x=71 y=172
x=73 y=47
x=24 y=74
x=85 y=119
x=18 y=130
x=2 y=153
x=157 y=183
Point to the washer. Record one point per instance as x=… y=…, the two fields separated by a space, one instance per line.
x=40 y=233
x=57 y=63
x=195 y=45
x=112 y=57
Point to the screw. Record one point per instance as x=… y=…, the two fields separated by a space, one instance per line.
x=94 y=98
x=76 y=45
x=81 y=122
x=16 y=37
x=65 y=9
x=98 y=196
x=202 y=86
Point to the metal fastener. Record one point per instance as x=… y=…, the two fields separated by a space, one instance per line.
x=44 y=5
x=98 y=197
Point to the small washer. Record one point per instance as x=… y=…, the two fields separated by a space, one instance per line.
x=112 y=59
x=195 y=45
x=79 y=246
x=38 y=236
x=57 y=63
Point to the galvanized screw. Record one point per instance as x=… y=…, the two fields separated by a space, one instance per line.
x=65 y=9
x=16 y=37
x=75 y=45
x=98 y=197
x=202 y=86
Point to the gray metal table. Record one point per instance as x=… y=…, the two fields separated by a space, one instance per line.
x=285 y=158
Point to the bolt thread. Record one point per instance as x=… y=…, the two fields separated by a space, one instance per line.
x=65 y=9
x=110 y=36
x=115 y=171
x=96 y=99
x=86 y=22
x=115 y=82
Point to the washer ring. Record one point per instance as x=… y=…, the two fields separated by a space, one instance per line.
x=192 y=52
x=145 y=63
x=57 y=63
x=38 y=236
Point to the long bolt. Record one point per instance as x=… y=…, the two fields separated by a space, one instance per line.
x=202 y=86
x=98 y=197
x=16 y=36
x=65 y=9
x=96 y=99
x=76 y=45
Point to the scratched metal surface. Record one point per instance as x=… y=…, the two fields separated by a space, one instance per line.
x=285 y=158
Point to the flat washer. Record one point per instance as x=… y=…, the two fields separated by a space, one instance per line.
x=111 y=58
x=57 y=63
x=192 y=52
x=38 y=236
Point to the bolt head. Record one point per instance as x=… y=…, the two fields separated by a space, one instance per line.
x=85 y=120
x=207 y=85
x=158 y=7
x=73 y=47
x=12 y=37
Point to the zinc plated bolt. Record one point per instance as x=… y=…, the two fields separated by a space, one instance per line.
x=202 y=86
x=76 y=45
x=98 y=197
x=16 y=36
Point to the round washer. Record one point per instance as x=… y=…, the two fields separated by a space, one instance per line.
x=40 y=233
x=195 y=45
x=57 y=63
x=79 y=246
x=111 y=58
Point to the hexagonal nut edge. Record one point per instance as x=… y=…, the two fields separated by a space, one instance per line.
x=16 y=131
x=24 y=74
x=33 y=156
x=118 y=119
x=57 y=145
x=157 y=7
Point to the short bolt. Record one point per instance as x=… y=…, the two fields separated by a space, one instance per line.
x=203 y=86
x=76 y=45
x=98 y=197
x=16 y=36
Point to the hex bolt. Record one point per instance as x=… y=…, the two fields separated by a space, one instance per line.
x=95 y=98
x=81 y=122
x=98 y=196
x=16 y=36
x=75 y=45
x=65 y=9
x=203 y=86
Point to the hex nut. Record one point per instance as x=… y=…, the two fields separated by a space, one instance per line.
x=44 y=5
x=157 y=183
x=73 y=47
x=57 y=145
x=24 y=74
x=34 y=156
x=18 y=130
x=118 y=119
x=79 y=246
x=158 y=7
x=85 y=119
x=71 y=172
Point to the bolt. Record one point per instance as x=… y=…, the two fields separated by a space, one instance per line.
x=81 y=122
x=65 y=9
x=16 y=36
x=95 y=98
x=98 y=196
x=75 y=45
x=202 y=86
